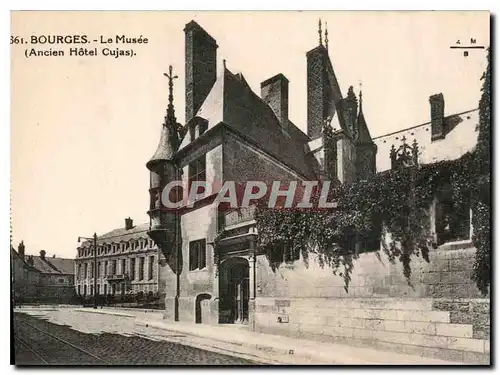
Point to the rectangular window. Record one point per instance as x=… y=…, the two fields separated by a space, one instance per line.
x=124 y=266
x=99 y=269
x=78 y=290
x=197 y=170
x=151 y=267
x=132 y=269
x=61 y=281
x=106 y=268
x=141 y=268
x=91 y=290
x=113 y=268
x=113 y=289
x=86 y=270
x=84 y=290
x=105 y=289
x=98 y=289
x=197 y=255
x=452 y=220
x=79 y=274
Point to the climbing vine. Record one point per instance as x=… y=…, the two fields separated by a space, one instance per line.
x=481 y=210
x=383 y=202
x=392 y=205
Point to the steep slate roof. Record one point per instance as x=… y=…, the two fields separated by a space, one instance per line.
x=460 y=137
x=232 y=102
x=54 y=265
x=121 y=234
x=14 y=253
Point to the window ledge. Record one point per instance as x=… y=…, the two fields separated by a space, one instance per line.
x=198 y=270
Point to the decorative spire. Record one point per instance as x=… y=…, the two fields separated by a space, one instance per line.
x=360 y=97
x=169 y=138
x=320 y=33
x=170 y=117
x=326 y=35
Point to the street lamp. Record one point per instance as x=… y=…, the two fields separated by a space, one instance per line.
x=95 y=265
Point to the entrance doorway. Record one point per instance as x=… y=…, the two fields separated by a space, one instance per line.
x=234 y=291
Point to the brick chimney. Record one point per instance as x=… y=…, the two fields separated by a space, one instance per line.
x=437 y=116
x=274 y=91
x=42 y=254
x=322 y=90
x=129 y=223
x=201 y=66
x=20 y=250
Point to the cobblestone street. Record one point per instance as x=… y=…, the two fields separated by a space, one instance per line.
x=39 y=342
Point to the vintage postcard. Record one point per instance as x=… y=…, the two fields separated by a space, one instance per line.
x=250 y=188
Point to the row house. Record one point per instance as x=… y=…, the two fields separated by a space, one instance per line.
x=127 y=262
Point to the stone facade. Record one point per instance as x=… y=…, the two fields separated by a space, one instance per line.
x=128 y=262
x=215 y=273
x=41 y=279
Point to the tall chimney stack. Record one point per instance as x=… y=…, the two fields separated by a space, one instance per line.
x=42 y=254
x=201 y=67
x=20 y=250
x=274 y=91
x=129 y=223
x=437 y=116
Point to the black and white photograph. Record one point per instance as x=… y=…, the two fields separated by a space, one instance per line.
x=250 y=188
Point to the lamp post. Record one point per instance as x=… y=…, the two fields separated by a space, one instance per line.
x=94 y=238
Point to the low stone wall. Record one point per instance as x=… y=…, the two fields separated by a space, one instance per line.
x=441 y=314
x=456 y=330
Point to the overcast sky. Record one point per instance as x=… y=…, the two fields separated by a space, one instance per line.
x=83 y=128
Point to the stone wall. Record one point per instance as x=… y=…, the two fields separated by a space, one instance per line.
x=441 y=315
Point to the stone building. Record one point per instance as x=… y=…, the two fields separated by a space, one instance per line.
x=215 y=273
x=128 y=262
x=38 y=279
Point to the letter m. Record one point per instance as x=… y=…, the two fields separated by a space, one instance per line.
x=472 y=41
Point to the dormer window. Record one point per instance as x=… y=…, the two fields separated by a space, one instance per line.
x=203 y=126
x=197 y=127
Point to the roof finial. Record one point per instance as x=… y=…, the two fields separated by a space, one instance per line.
x=224 y=63
x=360 y=96
x=170 y=117
x=326 y=35
x=320 y=33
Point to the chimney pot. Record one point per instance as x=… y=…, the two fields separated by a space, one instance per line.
x=42 y=254
x=129 y=223
x=274 y=92
x=20 y=250
x=437 y=116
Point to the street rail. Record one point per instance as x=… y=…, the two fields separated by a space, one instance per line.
x=96 y=358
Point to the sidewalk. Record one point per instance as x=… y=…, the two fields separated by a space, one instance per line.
x=269 y=348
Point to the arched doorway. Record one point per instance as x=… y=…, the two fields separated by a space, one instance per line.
x=234 y=291
x=200 y=310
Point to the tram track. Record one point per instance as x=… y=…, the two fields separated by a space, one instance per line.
x=53 y=350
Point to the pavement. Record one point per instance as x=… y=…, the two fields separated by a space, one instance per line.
x=234 y=340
